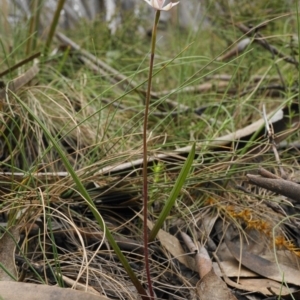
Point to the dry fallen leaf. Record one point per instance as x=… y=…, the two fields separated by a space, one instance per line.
x=264 y=267
x=232 y=269
x=7 y=254
x=172 y=244
x=265 y=286
x=212 y=287
x=79 y=286
x=10 y=290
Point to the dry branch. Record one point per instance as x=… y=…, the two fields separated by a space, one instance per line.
x=261 y=40
x=281 y=186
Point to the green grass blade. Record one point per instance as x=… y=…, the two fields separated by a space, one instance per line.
x=174 y=193
x=82 y=190
x=59 y=8
x=7 y=272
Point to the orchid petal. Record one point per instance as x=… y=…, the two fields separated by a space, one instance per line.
x=169 y=6
x=159 y=4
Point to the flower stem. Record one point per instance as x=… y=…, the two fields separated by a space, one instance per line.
x=145 y=154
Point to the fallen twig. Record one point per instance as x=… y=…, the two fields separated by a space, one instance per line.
x=19 y=81
x=261 y=40
x=281 y=186
x=21 y=63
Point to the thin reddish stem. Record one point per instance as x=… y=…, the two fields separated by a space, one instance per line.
x=145 y=155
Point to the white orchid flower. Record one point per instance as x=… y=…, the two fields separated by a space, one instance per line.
x=159 y=4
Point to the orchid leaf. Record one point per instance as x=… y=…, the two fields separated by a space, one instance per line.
x=174 y=193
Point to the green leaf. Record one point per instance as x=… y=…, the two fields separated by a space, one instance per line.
x=174 y=193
